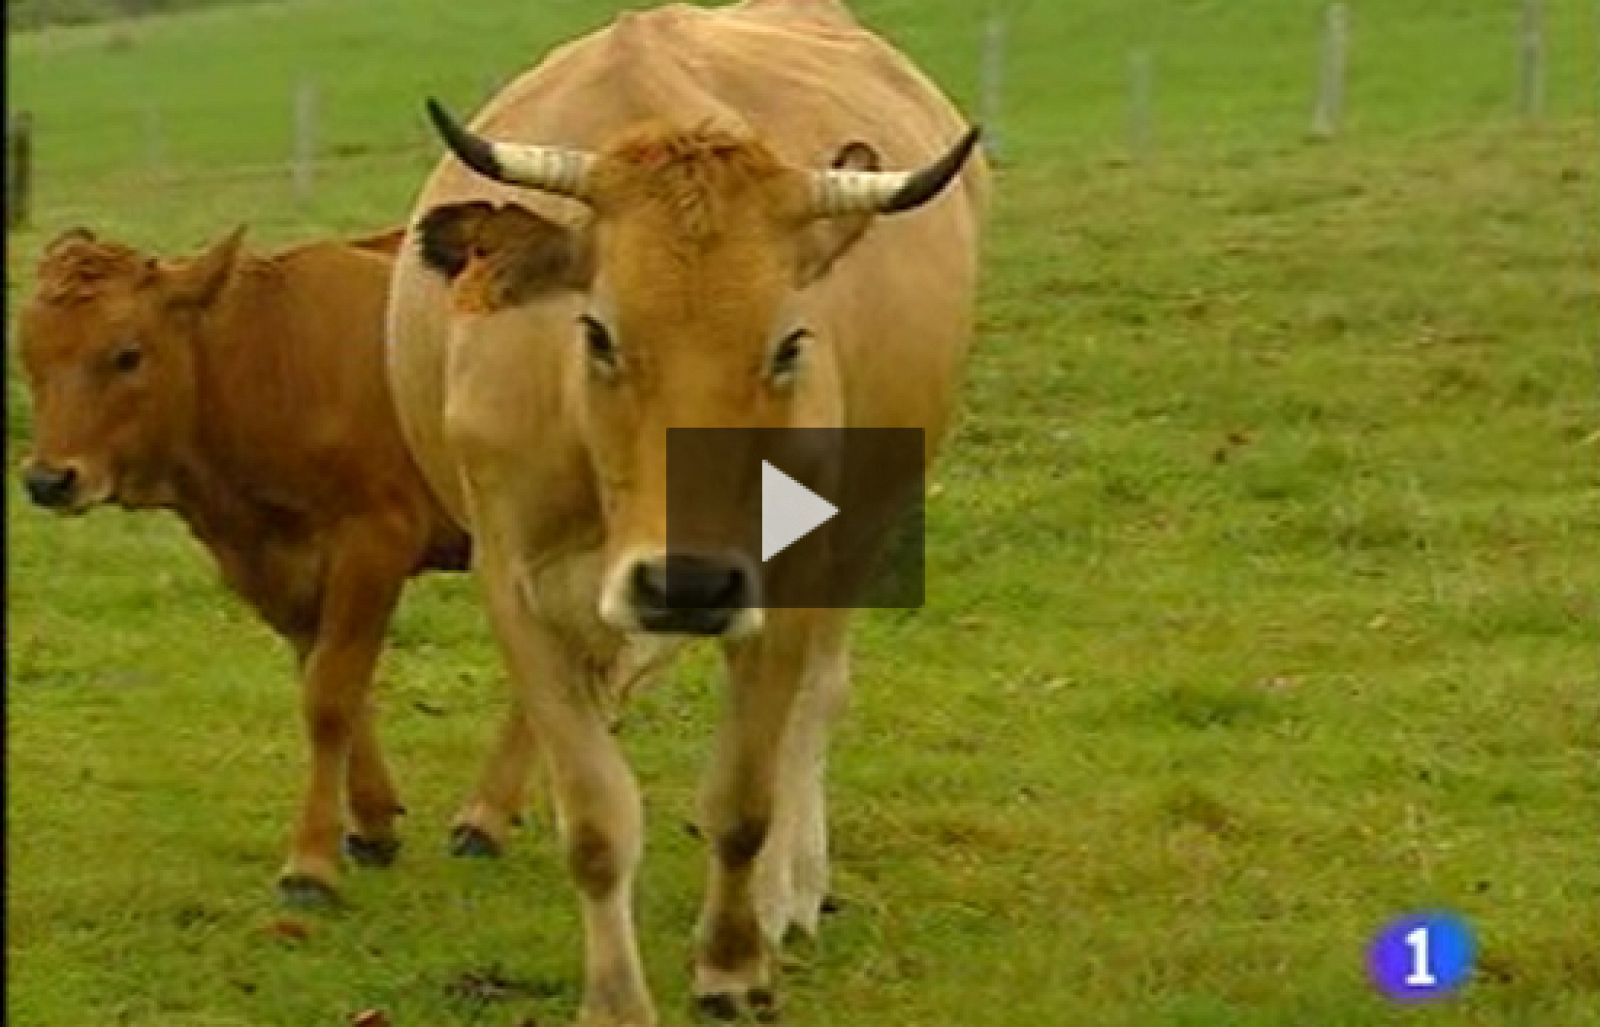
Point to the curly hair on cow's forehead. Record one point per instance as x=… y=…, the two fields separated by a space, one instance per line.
x=697 y=174
x=77 y=267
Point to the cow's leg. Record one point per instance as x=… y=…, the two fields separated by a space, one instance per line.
x=600 y=817
x=480 y=829
x=367 y=567
x=500 y=797
x=374 y=803
x=598 y=811
x=733 y=962
x=792 y=872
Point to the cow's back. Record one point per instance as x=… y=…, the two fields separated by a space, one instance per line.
x=296 y=401
x=805 y=78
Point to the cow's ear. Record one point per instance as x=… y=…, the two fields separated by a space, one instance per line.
x=198 y=282
x=444 y=235
x=501 y=256
x=823 y=242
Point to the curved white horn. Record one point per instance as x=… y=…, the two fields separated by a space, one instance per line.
x=835 y=193
x=553 y=169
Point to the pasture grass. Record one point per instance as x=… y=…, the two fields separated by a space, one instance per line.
x=1262 y=587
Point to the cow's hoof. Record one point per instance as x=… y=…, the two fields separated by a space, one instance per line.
x=302 y=891
x=371 y=852
x=725 y=1007
x=466 y=840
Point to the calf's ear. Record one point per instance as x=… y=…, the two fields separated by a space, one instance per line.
x=498 y=256
x=197 y=282
x=823 y=242
x=77 y=234
x=386 y=242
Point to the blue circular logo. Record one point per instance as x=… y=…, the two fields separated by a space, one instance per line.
x=1421 y=957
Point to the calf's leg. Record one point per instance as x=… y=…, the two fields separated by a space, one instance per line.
x=374 y=803
x=366 y=569
x=480 y=829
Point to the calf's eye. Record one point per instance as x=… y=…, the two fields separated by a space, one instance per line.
x=127 y=359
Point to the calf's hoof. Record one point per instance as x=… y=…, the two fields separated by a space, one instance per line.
x=371 y=852
x=725 y=1007
x=467 y=840
x=302 y=891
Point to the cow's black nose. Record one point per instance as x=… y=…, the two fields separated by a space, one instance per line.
x=689 y=594
x=50 y=486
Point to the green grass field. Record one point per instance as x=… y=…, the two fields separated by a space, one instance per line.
x=1263 y=569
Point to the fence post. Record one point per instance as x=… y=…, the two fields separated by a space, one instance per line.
x=991 y=76
x=305 y=143
x=154 y=143
x=1531 y=93
x=1139 y=98
x=19 y=172
x=1330 y=90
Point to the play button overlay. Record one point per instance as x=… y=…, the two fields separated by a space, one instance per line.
x=789 y=511
x=821 y=517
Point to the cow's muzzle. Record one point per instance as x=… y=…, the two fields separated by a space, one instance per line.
x=55 y=488
x=692 y=594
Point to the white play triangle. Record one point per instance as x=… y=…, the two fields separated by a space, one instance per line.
x=789 y=511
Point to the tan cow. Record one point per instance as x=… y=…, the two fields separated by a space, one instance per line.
x=677 y=252
x=247 y=394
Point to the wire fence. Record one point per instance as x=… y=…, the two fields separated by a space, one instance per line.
x=310 y=155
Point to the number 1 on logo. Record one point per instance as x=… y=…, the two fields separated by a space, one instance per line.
x=1420 y=976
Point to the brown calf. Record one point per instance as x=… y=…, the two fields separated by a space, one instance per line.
x=247 y=394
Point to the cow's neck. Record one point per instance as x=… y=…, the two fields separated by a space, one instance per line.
x=218 y=513
x=246 y=539
x=214 y=483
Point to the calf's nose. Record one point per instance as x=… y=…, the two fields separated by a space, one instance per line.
x=51 y=487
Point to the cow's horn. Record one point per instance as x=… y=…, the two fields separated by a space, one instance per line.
x=551 y=168
x=839 y=192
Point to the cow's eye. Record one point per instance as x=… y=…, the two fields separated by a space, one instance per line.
x=787 y=356
x=599 y=347
x=127 y=359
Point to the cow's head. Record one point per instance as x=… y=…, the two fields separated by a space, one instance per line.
x=691 y=288
x=106 y=343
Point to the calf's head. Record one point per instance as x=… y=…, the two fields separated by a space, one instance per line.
x=691 y=289
x=107 y=347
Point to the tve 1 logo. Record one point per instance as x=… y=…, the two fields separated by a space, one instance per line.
x=1421 y=957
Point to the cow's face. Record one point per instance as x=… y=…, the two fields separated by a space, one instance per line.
x=106 y=344
x=696 y=316
x=694 y=281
